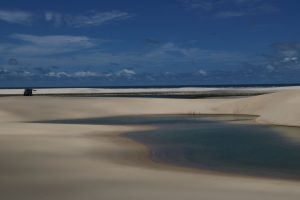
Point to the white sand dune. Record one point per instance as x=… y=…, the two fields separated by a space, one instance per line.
x=276 y=108
x=75 y=162
x=144 y=90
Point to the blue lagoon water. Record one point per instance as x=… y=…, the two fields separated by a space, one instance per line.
x=209 y=142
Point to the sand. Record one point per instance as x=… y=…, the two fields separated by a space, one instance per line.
x=43 y=91
x=75 y=162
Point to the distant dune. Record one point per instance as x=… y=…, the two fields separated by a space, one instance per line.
x=275 y=108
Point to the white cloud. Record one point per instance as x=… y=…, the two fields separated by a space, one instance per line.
x=57 y=74
x=54 y=17
x=79 y=74
x=89 y=19
x=126 y=73
x=201 y=72
x=284 y=56
x=290 y=59
x=47 y=45
x=96 y=18
x=16 y=17
x=86 y=20
x=223 y=9
x=55 y=40
x=85 y=74
x=171 y=51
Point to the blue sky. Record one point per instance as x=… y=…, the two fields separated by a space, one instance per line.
x=149 y=42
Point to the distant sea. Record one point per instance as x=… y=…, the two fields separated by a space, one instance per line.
x=164 y=86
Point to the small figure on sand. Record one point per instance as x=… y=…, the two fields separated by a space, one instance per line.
x=28 y=92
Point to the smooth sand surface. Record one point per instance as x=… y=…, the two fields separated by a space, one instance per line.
x=43 y=91
x=75 y=162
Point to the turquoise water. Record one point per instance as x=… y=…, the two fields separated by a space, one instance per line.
x=207 y=142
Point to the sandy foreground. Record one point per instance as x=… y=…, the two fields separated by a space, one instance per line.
x=75 y=162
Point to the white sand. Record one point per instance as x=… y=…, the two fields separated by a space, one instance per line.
x=143 y=90
x=75 y=162
x=276 y=108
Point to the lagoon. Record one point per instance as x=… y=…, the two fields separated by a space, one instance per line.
x=216 y=143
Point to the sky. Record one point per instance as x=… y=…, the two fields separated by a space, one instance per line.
x=148 y=42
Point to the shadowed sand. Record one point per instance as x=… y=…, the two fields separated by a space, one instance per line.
x=55 y=161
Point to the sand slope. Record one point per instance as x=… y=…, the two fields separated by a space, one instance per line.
x=277 y=108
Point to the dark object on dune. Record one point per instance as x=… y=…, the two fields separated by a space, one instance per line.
x=28 y=92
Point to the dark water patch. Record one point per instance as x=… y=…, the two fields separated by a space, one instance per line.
x=207 y=142
x=155 y=119
x=234 y=149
